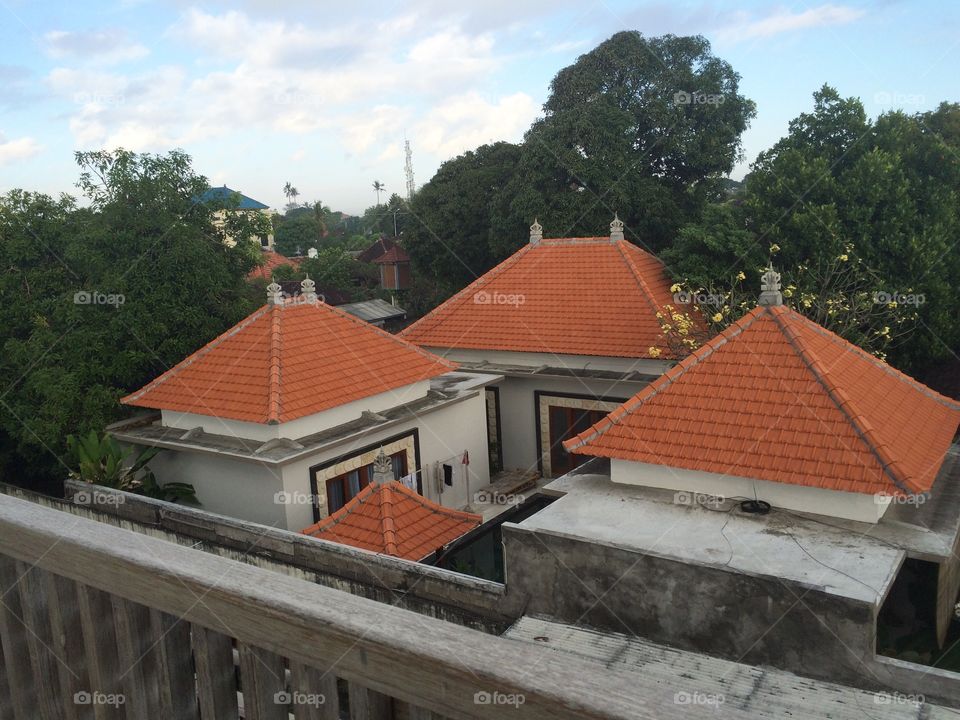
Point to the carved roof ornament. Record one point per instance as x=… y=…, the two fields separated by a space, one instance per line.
x=616 y=228
x=770 y=288
x=382 y=468
x=274 y=294
x=308 y=290
x=536 y=232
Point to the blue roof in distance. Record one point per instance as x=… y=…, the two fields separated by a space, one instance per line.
x=224 y=195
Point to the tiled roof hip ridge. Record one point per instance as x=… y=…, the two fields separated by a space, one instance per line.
x=388 y=525
x=274 y=409
x=472 y=287
x=845 y=404
x=664 y=381
x=199 y=353
x=886 y=367
x=637 y=275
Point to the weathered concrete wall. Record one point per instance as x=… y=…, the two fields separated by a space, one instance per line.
x=757 y=620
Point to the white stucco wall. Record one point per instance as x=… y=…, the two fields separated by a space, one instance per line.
x=851 y=506
x=230 y=487
x=301 y=426
x=444 y=434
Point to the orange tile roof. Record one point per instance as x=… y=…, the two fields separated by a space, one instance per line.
x=394 y=520
x=577 y=296
x=287 y=361
x=396 y=254
x=271 y=261
x=777 y=397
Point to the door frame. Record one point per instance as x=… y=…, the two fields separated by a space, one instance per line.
x=541 y=399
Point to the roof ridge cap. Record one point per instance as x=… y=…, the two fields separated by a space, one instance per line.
x=338 y=516
x=274 y=399
x=388 y=526
x=844 y=403
x=454 y=299
x=198 y=353
x=663 y=382
x=434 y=506
x=637 y=274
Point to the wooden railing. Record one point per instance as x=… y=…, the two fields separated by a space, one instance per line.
x=100 y=622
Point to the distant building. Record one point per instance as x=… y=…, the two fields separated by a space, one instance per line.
x=239 y=203
x=394 y=269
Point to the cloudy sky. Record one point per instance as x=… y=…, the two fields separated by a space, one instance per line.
x=322 y=94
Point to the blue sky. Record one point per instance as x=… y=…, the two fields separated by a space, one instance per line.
x=323 y=94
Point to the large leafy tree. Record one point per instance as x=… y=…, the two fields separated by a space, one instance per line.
x=646 y=127
x=450 y=227
x=855 y=214
x=101 y=298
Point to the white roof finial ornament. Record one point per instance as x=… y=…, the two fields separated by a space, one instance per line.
x=308 y=290
x=616 y=228
x=382 y=468
x=274 y=294
x=536 y=232
x=770 y=288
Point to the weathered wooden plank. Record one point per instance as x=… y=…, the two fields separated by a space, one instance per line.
x=6 y=699
x=40 y=645
x=367 y=704
x=317 y=699
x=263 y=684
x=13 y=640
x=428 y=662
x=138 y=666
x=216 y=677
x=103 y=664
x=178 y=693
x=65 y=628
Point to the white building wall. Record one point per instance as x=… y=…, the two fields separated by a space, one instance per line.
x=690 y=483
x=444 y=434
x=224 y=485
x=300 y=427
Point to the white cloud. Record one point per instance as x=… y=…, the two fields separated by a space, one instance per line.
x=105 y=46
x=466 y=121
x=783 y=21
x=19 y=149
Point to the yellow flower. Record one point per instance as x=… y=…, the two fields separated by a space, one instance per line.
x=675 y=288
x=717 y=318
x=741 y=275
x=774 y=249
x=654 y=352
x=843 y=258
x=788 y=293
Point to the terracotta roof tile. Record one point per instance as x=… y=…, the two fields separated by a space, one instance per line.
x=394 y=520
x=577 y=296
x=777 y=397
x=287 y=361
x=271 y=261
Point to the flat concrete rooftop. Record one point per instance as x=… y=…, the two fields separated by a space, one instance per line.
x=783 y=545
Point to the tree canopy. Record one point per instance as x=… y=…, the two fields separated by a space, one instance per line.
x=108 y=296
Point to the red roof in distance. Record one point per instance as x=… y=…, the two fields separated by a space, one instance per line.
x=393 y=520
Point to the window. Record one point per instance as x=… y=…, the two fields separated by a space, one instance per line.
x=343 y=488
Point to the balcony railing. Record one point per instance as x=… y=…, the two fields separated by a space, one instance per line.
x=101 y=622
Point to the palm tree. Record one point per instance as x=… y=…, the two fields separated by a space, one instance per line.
x=291 y=192
x=379 y=187
x=320 y=215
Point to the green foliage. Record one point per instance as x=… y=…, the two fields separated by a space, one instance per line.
x=103 y=298
x=296 y=233
x=451 y=239
x=100 y=460
x=852 y=212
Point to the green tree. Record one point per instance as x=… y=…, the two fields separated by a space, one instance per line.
x=102 y=298
x=855 y=214
x=450 y=236
x=378 y=187
x=646 y=127
x=296 y=233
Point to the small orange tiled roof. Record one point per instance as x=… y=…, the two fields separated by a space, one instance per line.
x=396 y=254
x=577 y=296
x=394 y=520
x=286 y=361
x=271 y=261
x=777 y=397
